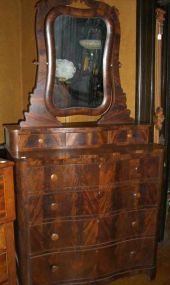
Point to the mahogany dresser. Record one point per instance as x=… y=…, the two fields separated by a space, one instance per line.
x=88 y=194
x=7 y=216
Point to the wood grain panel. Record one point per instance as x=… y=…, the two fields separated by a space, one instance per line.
x=77 y=266
x=66 y=234
x=103 y=200
x=2 y=198
x=3 y=268
x=53 y=178
x=2 y=238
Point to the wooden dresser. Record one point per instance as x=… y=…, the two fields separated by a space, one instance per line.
x=7 y=216
x=87 y=215
x=88 y=194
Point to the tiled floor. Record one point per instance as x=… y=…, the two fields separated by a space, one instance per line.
x=163 y=266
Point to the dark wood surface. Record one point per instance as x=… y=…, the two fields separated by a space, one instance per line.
x=90 y=215
x=7 y=216
x=74 y=136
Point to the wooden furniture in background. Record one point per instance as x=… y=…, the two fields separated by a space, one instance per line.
x=88 y=194
x=7 y=216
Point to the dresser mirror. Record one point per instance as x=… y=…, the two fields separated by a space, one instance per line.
x=78 y=65
x=79 y=57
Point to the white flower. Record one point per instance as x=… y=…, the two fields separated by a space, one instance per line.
x=65 y=69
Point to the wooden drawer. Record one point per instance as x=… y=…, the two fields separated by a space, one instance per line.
x=41 y=141
x=104 y=171
x=7 y=254
x=129 y=135
x=92 y=232
x=2 y=198
x=52 y=178
x=3 y=269
x=62 y=268
x=7 y=210
x=103 y=200
x=135 y=166
x=2 y=238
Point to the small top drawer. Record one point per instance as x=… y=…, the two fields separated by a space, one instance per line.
x=41 y=141
x=129 y=135
x=6 y=191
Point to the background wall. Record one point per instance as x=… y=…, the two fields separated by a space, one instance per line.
x=11 y=100
x=18 y=50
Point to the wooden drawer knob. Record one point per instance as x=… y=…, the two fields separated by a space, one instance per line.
x=54 y=268
x=53 y=206
x=99 y=195
x=129 y=135
x=55 y=237
x=134 y=223
x=54 y=177
x=137 y=195
x=132 y=253
x=41 y=141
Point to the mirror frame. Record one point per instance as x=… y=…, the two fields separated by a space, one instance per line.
x=42 y=112
x=108 y=95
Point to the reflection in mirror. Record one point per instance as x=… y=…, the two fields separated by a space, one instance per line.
x=79 y=48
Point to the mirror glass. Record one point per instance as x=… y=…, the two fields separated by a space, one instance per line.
x=79 y=50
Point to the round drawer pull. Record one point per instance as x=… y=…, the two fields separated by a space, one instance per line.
x=137 y=195
x=134 y=223
x=41 y=141
x=132 y=253
x=129 y=135
x=55 y=237
x=53 y=206
x=54 y=268
x=54 y=177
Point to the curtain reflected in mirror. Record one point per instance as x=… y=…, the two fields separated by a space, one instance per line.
x=79 y=48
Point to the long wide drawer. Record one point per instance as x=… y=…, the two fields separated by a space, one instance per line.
x=67 y=267
x=92 y=232
x=102 y=200
x=88 y=171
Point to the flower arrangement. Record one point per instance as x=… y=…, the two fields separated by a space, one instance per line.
x=65 y=69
